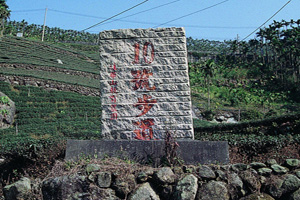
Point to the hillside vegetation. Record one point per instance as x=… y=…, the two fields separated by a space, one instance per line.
x=254 y=81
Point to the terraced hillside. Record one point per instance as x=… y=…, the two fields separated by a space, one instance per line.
x=21 y=57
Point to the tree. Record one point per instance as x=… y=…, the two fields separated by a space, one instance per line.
x=4 y=15
x=208 y=70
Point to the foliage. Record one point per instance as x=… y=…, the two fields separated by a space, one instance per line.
x=4 y=100
x=54 y=34
x=4 y=14
x=44 y=115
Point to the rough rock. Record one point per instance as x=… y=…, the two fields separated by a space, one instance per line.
x=103 y=194
x=65 y=187
x=142 y=177
x=295 y=195
x=186 y=188
x=124 y=185
x=165 y=175
x=239 y=167
x=271 y=162
x=256 y=165
x=206 y=172
x=264 y=171
x=274 y=187
x=279 y=169
x=251 y=180
x=18 y=190
x=92 y=168
x=235 y=186
x=144 y=192
x=280 y=186
x=104 y=179
x=291 y=183
x=7 y=111
x=258 y=196
x=213 y=190
x=292 y=163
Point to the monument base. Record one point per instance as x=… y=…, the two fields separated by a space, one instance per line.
x=190 y=151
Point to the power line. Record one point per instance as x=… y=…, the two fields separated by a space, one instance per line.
x=143 y=11
x=267 y=20
x=76 y=14
x=33 y=10
x=151 y=23
x=191 y=13
x=115 y=15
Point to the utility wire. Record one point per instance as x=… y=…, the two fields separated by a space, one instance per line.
x=191 y=13
x=143 y=11
x=34 y=10
x=267 y=20
x=76 y=14
x=152 y=23
x=115 y=15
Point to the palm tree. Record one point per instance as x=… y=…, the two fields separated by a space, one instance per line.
x=208 y=69
x=4 y=15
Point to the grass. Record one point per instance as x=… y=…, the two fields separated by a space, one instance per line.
x=45 y=116
x=53 y=76
x=16 y=50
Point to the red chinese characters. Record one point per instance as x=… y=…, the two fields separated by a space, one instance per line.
x=113 y=91
x=141 y=79
x=145 y=131
x=145 y=104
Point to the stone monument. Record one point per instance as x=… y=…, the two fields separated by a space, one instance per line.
x=145 y=87
x=145 y=92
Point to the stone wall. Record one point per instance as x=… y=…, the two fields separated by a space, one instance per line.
x=49 y=85
x=144 y=84
x=119 y=180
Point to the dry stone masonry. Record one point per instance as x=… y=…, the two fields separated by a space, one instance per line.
x=145 y=86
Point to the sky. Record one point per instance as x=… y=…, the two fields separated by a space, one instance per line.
x=213 y=20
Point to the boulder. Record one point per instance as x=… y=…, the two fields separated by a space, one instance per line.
x=144 y=192
x=235 y=186
x=92 y=168
x=251 y=181
x=186 y=188
x=104 y=179
x=7 y=111
x=65 y=187
x=258 y=196
x=102 y=193
x=279 y=169
x=206 y=172
x=264 y=171
x=239 y=167
x=280 y=186
x=123 y=185
x=19 y=190
x=257 y=165
x=213 y=190
x=295 y=195
x=292 y=163
x=165 y=175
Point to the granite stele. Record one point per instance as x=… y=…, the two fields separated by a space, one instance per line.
x=145 y=92
x=145 y=87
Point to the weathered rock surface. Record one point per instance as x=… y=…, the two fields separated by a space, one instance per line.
x=7 y=111
x=144 y=192
x=213 y=190
x=206 y=172
x=165 y=175
x=181 y=182
x=186 y=188
x=65 y=187
x=19 y=190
